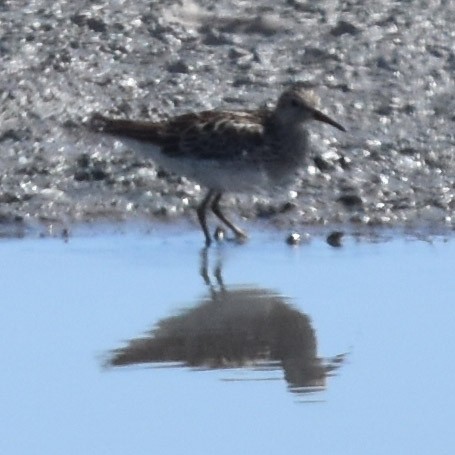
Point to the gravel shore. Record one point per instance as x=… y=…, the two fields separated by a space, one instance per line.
x=384 y=70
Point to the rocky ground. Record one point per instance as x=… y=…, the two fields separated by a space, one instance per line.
x=382 y=69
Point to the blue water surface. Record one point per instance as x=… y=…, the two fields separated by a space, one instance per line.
x=388 y=308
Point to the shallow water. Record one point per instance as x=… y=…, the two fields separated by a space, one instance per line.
x=381 y=317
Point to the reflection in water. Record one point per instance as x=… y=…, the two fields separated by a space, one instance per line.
x=235 y=327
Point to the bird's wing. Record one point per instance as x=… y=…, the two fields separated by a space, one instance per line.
x=205 y=135
x=213 y=135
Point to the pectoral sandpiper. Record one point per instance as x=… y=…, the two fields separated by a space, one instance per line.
x=235 y=151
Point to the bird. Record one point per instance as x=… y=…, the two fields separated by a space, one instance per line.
x=241 y=151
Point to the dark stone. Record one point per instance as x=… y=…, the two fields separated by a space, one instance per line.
x=343 y=28
x=287 y=207
x=350 y=200
x=98 y=174
x=81 y=176
x=83 y=160
x=294 y=239
x=8 y=198
x=345 y=162
x=178 y=67
x=335 y=239
x=97 y=25
x=322 y=164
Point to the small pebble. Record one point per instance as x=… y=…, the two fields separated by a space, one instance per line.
x=219 y=234
x=294 y=239
x=335 y=239
x=350 y=200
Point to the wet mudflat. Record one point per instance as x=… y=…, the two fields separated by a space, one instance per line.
x=142 y=343
x=383 y=70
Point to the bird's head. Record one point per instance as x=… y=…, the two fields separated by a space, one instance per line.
x=297 y=105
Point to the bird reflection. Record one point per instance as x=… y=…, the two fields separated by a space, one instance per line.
x=235 y=327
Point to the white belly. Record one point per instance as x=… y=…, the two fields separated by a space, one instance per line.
x=224 y=175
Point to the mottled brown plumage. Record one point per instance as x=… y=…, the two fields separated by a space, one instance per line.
x=220 y=135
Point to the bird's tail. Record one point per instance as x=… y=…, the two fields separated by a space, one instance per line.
x=138 y=130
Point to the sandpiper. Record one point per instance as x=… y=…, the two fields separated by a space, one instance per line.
x=235 y=151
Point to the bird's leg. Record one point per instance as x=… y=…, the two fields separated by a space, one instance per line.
x=217 y=272
x=203 y=270
x=216 y=209
x=202 y=215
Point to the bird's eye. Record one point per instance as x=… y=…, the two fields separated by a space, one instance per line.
x=294 y=103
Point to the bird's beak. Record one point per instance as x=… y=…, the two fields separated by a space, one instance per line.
x=318 y=115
